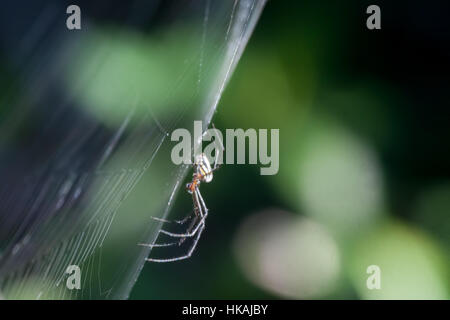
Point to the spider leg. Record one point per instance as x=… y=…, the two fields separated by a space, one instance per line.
x=186 y=256
x=156 y=245
x=216 y=164
x=182 y=221
x=189 y=229
x=203 y=208
x=168 y=244
x=187 y=234
x=200 y=227
x=199 y=206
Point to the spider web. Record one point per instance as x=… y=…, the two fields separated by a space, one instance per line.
x=84 y=133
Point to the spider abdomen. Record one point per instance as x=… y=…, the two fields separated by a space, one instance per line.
x=203 y=168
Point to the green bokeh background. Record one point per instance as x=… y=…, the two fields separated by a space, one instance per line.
x=363 y=154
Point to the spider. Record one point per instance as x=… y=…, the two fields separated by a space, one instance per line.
x=203 y=172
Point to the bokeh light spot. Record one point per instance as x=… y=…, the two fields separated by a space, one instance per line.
x=288 y=255
x=412 y=266
x=340 y=180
